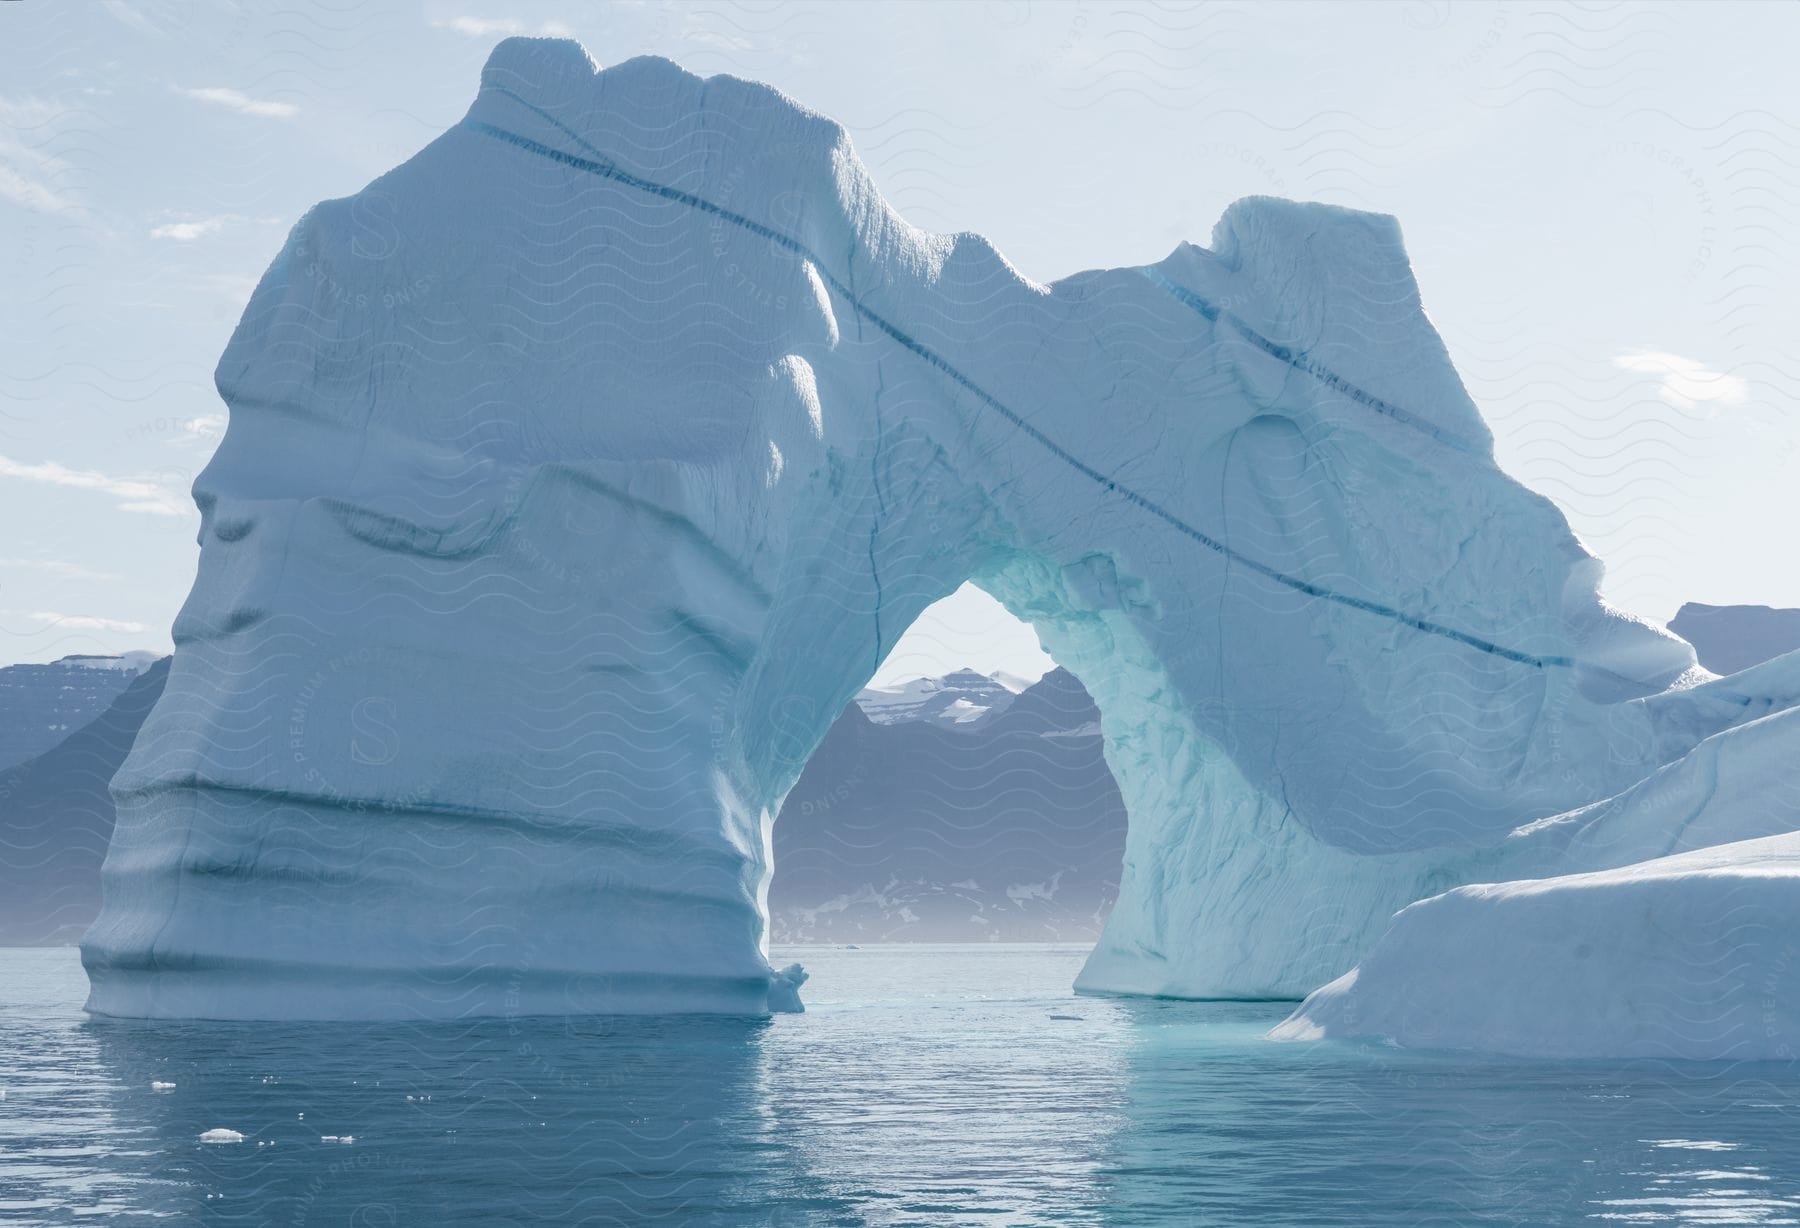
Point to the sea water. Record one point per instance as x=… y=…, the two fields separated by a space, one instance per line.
x=925 y=1085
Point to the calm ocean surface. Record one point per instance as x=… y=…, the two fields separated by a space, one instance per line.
x=925 y=1085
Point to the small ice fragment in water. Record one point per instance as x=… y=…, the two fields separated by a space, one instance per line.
x=157 y=1085
x=221 y=1136
x=784 y=990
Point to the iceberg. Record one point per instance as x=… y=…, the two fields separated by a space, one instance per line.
x=1730 y=638
x=1686 y=956
x=583 y=468
x=1655 y=923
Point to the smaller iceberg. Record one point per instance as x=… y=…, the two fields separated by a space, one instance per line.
x=1686 y=956
x=1658 y=922
x=784 y=990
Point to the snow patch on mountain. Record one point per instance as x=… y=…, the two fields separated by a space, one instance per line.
x=40 y=705
x=960 y=698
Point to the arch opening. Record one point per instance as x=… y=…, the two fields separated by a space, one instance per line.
x=962 y=796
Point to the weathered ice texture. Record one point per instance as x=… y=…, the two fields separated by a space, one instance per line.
x=582 y=469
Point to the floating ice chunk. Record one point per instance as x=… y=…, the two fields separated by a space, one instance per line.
x=784 y=990
x=221 y=1136
x=157 y=1085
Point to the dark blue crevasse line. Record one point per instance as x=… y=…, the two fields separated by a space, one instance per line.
x=1304 y=362
x=880 y=512
x=607 y=170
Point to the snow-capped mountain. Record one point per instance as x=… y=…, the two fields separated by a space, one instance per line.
x=916 y=828
x=56 y=817
x=959 y=808
x=933 y=829
x=960 y=698
x=40 y=705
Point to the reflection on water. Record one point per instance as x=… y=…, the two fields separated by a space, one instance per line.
x=1229 y=1131
x=592 y=1120
x=929 y=1085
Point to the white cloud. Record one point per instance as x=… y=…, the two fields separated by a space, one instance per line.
x=695 y=32
x=129 y=15
x=139 y=494
x=243 y=103
x=23 y=112
x=205 y=427
x=28 y=176
x=28 y=192
x=491 y=27
x=87 y=622
x=1685 y=381
x=187 y=232
x=56 y=567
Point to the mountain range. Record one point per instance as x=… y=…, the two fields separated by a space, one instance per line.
x=969 y=807
x=56 y=816
x=41 y=704
x=937 y=823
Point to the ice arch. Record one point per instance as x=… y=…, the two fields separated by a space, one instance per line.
x=583 y=467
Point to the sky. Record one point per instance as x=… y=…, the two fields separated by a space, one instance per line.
x=1599 y=201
